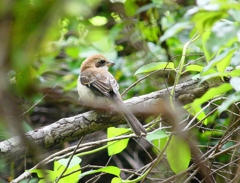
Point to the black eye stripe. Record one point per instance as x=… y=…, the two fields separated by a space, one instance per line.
x=102 y=61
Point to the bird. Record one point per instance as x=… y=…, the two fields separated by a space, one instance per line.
x=98 y=88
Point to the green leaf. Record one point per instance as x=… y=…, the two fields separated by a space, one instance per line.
x=231 y=99
x=224 y=63
x=205 y=36
x=204 y=19
x=158 y=134
x=109 y=169
x=216 y=75
x=116 y=180
x=72 y=51
x=130 y=7
x=118 y=146
x=98 y=20
x=151 y=33
x=42 y=174
x=234 y=73
x=221 y=61
x=75 y=161
x=178 y=154
x=197 y=68
x=160 y=144
x=210 y=94
x=158 y=138
x=155 y=66
x=174 y=30
x=197 y=110
x=49 y=175
x=59 y=168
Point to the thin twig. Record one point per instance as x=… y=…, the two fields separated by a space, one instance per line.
x=70 y=159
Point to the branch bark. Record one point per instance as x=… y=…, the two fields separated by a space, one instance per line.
x=77 y=126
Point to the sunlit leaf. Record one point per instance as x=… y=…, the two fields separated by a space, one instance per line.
x=116 y=180
x=75 y=161
x=158 y=134
x=155 y=66
x=160 y=144
x=204 y=19
x=109 y=169
x=48 y=174
x=205 y=36
x=118 y=146
x=130 y=7
x=178 y=154
x=211 y=94
x=196 y=68
x=221 y=61
x=197 y=112
x=213 y=76
x=151 y=33
x=235 y=72
x=98 y=20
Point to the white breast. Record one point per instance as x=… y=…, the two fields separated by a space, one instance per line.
x=87 y=97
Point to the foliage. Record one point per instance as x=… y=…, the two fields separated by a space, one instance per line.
x=59 y=166
x=44 y=44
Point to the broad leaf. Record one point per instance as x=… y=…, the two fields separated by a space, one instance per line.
x=109 y=169
x=221 y=61
x=211 y=94
x=155 y=66
x=159 y=134
x=198 y=112
x=197 y=68
x=118 y=146
x=116 y=180
x=178 y=154
x=75 y=161
x=49 y=175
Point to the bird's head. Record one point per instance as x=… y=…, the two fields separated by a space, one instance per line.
x=96 y=61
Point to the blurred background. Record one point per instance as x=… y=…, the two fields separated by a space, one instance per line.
x=42 y=45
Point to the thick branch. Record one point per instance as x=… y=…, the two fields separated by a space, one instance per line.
x=74 y=127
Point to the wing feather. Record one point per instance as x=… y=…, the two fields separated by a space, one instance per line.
x=101 y=83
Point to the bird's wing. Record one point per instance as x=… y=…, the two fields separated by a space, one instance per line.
x=101 y=82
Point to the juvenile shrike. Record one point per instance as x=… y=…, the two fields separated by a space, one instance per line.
x=97 y=88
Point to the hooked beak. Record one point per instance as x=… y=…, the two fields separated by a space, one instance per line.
x=109 y=64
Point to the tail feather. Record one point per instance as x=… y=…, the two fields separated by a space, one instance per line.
x=132 y=121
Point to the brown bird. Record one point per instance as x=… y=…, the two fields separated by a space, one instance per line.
x=97 y=88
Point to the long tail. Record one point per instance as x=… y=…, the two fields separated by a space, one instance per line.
x=132 y=121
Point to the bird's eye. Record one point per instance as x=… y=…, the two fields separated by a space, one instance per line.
x=102 y=61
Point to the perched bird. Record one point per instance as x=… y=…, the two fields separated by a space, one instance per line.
x=98 y=88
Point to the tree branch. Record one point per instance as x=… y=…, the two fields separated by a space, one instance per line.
x=77 y=126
